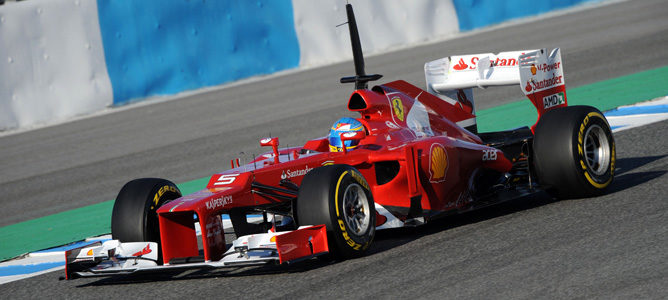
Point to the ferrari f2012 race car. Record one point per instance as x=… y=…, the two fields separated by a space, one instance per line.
x=412 y=156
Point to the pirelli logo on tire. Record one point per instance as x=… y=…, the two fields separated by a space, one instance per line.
x=360 y=180
x=349 y=240
x=343 y=181
x=162 y=191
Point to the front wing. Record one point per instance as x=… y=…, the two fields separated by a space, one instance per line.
x=116 y=258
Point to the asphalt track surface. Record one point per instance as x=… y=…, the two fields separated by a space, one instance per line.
x=610 y=246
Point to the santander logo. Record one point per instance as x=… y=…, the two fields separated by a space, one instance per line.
x=528 y=88
x=544 y=84
x=509 y=60
x=144 y=251
x=461 y=65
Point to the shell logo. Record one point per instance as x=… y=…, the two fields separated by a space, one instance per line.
x=438 y=163
x=533 y=69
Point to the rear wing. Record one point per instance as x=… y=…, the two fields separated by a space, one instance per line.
x=539 y=75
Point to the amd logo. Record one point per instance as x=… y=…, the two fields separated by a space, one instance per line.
x=553 y=100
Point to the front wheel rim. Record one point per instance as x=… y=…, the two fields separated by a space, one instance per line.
x=356 y=209
x=596 y=150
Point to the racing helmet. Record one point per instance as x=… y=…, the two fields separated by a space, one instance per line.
x=339 y=127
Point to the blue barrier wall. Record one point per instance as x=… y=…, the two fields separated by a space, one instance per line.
x=474 y=14
x=158 y=47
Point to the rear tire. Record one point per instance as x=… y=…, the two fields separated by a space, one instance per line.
x=339 y=197
x=574 y=152
x=134 y=217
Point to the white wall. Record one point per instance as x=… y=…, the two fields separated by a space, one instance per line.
x=51 y=62
x=383 y=25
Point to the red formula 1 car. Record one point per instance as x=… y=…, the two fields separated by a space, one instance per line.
x=411 y=156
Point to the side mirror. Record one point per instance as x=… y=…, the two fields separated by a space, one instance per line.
x=273 y=142
x=351 y=136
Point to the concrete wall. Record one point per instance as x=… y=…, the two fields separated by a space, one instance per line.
x=51 y=62
x=383 y=25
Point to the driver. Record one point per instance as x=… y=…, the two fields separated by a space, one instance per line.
x=341 y=126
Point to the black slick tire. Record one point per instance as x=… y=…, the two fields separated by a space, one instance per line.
x=134 y=217
x=574 y=152
x=339 y=197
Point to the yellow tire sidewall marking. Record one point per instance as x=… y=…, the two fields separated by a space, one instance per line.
x=583 y=125
x=336 y=193
x=340 y=222
x=162 y=191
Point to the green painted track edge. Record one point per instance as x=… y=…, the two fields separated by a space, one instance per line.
x=78 y=224
x=66 y=227
x=604 y=95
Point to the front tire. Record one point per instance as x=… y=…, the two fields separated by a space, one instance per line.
x=574 y=152
x=134 y=217
x=339 y=197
